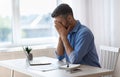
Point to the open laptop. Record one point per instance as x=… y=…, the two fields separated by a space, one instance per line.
x=36 y=61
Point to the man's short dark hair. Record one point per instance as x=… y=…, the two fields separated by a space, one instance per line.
x=62 y=9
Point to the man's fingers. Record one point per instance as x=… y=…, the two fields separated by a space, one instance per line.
x=58 y=25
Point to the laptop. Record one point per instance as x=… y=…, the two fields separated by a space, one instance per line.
x=36 y=61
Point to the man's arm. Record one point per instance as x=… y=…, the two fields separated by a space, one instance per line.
x=63 y=32
x=67 y=45
x=82 y=43
x=60 y=48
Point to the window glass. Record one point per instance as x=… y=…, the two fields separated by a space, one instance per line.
x=5 y=21
x=26 y=22
x=35 y=18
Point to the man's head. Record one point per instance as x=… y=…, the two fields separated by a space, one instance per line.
x=63 y=14
x=63 y=10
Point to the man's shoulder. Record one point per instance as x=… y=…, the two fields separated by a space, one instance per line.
x=84 y=31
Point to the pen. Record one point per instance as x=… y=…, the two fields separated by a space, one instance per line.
x=67 y=63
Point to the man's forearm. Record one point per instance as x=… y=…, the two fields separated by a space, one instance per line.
x=67 y=45
x=60 y=47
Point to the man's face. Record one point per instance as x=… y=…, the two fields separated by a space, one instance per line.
x=63 y=21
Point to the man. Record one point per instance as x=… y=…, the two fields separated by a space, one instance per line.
x=76 y=41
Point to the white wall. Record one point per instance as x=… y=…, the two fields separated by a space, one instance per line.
x=80 y=10
x=116 y=23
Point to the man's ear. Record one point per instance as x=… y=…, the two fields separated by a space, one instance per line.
x=69 y=18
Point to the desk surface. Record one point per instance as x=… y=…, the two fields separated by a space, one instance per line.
x=21 y=66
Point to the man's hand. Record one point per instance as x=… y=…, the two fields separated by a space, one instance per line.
x=62 y=31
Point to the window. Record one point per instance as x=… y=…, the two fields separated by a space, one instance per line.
x=35 y=20
x=5 y=21
x=27 y=22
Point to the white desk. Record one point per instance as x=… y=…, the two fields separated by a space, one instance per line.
x=86 y=71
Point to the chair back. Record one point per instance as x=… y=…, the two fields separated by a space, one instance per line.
x=108 y=57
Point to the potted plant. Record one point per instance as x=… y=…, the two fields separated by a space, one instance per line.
x=28 y=52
